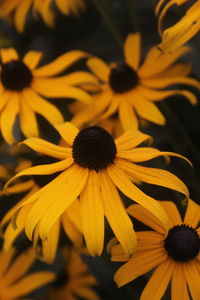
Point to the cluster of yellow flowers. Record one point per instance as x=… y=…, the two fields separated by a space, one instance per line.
x=82 y=179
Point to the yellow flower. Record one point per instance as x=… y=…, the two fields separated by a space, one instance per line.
x=173 y=253
x=14 y=283
x=20 y=9
x=130 y=89
x=23 y=86
x=76 y=280
x=92 y=168
x=69 y=220
x=178 y=34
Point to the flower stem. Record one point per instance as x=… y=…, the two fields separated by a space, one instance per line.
x=109 y=21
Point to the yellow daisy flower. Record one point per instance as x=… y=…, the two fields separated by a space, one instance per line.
x=23 y=86
x=69 y=220
x=131 y=89
x=178 y=34
x=76 y=280
x=173 y=253
x=93 y=167
x=19 y=9
x=14 y=283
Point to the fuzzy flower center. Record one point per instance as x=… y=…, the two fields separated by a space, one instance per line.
x=182 y=243
x=123 y=78
x=94 y=148
x=42 y=180
x=15 y=75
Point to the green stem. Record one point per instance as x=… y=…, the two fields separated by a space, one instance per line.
x=108 y=19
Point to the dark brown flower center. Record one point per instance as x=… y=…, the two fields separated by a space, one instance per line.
x=123 y=78
x=94 y=148
x=15 y=75
x=182 y=243
x=42 y=180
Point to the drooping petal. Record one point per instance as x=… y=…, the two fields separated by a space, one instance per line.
x=192 y=277
x=32 y=59
x=159 y=281
x=99 y=68
x=67 y=131
x=5 y=260
x=130 y=190
x=163 y=82
x=49 y=247
x=53 y=88
x=20 y=15
x=192 y=216
x=78 y=78
x=43 y=107
x=132 y=50
x=71 y=230
x=8 y=117
x=179 y=286
x=8 y=55
x=92 y=214
x=146 y=217
x=139 y=265
x=127 y=116
x=131 y=139
x=153 y=176
x=60 y=63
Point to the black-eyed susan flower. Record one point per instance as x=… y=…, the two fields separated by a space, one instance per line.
x=131 y=89
x=69 y=221
x=75 y=281
x=14 y=281
x=23 y=87
x=92 y=168
x=183 y=30
x=18 y=10
x=173 y=253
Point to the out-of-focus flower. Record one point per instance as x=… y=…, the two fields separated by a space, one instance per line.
x=173 y=253
x=184 y=29
x=23 y=87
x=92 y=168
x=17 y=10
x=14 y=283
x=69 y=220
x=131 y=89
x=75 y=281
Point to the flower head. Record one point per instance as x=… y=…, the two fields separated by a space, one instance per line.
x=23 y=86
x=14 y=283
x=75 y=281
x=131 y=90
x=92 y=168
x=20 y=9
x=184 y=29
x=173 y=253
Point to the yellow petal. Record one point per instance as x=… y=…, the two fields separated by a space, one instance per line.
x=159 y=281
x=32 y=59
x=53 y=88
x=20 y=187
x=49 y=247
x=21 y=14
x=116 y=214
x=60 y=64
x=192 y=277
x=139 y=265
x=5 y=259
x=43 y=107
x=28 y=121
x=192 y=216
x=132 y=50
x=8 y=55
x=163 y=82
x=146 y=217
x=172 y=212
x=127 y=116
x=130 y=190
x=99 y=68
x=71 y=231
x=8 y=117
x=130 y=140
x=153 y=176
x=78 y=78
x=92 y=214
x=179 y=286
x=67 y=131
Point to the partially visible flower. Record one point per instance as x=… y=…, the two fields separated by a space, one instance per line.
x=19 y=9
x=92 y=168
x=131 y=90
x=174 y=253
x=184 y=29
x=11 y=228
x=14 y=283
x=75 y=281
x=23 y=87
